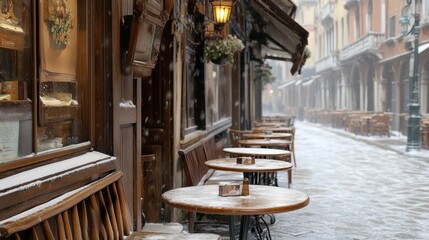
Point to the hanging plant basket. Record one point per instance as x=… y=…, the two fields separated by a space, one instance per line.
x=220 y=60
x=221 y=50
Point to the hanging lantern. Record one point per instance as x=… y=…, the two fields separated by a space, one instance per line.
x=221 y=10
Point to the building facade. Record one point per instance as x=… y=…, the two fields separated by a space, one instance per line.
x=364 y=57
x=91 y=87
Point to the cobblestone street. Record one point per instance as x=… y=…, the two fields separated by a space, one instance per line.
x=358 y=190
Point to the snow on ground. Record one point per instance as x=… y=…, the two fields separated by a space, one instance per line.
x=360 y=188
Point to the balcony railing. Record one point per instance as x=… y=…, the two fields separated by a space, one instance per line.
x=327 y=10
x=370 y=42
x=328 y=62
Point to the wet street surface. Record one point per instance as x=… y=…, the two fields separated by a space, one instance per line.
x=357 y=189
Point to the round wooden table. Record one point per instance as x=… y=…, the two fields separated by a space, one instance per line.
x=290 y=130
x=270 y=143
x=259 y=152
x=274 y=129
x=261 y=165
x=271 y=124
x=261 y=200
x=266 y=153
x=264 y=135
x=263 y=172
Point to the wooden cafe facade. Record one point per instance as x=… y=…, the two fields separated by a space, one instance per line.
x=90 y=87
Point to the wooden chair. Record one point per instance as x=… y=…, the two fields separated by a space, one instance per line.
x=380 y=123
x=290 y=147
x=236 y=135
x=354 y=124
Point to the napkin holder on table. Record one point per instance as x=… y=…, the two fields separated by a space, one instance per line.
x=245 y=160
x=229 y=189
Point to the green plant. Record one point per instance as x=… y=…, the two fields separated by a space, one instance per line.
x=222 y=47
x=263 y=73
x=307 y=52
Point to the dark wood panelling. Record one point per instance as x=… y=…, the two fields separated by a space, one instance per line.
x=102 y=75
x=126 y=132
x=152 y=202
x=127 y=137
x=157 y=103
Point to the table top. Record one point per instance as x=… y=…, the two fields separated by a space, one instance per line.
x=274 y=129
x=271 y=124
x=261 y=200
x=268 y=152
x=265 y=142
x=264 y=135
x=261 y=165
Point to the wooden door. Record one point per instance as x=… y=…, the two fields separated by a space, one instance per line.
x=126 y=117
x=157 y=106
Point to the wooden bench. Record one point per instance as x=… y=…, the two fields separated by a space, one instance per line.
x=97 y=210
x=196 y=172
x=194 y=158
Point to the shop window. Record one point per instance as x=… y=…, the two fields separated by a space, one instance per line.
x=16 y=80
x=44 y=80
x=357 y=24
x=218 y=93
x=392 y=27
x=188 y=109
x=62 y=41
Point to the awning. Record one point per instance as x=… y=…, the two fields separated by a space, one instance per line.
x=423 y=47
x=308 y=82
x=286 y=84
x=282 y=30
x=274 y=52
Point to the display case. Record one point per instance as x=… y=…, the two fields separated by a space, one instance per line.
x=16 y=80
x=57 y=100
x=61 y=30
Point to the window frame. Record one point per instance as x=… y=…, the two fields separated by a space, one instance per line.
x=36 y=157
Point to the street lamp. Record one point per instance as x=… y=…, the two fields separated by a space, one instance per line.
x=222 y=10
x=413 y=137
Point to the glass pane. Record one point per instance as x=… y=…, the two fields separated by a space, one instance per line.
x=63 y=82
x=190 y=95
x=212 y=94
x=218 y=92
x=16 y=77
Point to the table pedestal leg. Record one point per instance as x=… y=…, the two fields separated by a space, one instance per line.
x=244 y=227
x=231 y=228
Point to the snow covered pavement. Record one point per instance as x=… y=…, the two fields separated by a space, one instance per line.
x=359 y=188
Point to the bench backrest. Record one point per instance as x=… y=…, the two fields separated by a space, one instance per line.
x=95 y=211
x=193 y=159
x=212 y=149
x=195 y=156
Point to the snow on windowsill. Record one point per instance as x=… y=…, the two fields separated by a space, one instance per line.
x=31 y=177
x=127 y=104
x=42 y=206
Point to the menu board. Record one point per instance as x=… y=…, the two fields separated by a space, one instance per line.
x=9 y=139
